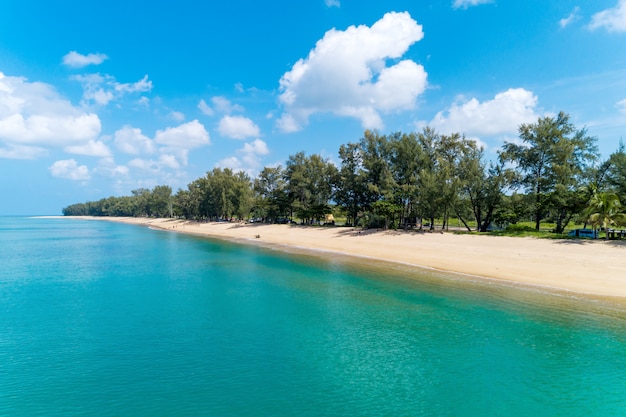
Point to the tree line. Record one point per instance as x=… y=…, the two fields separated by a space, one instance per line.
x=551 y=174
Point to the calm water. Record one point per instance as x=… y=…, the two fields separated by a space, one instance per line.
x=105 y=319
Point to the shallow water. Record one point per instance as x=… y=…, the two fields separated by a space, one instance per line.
x=101 y=319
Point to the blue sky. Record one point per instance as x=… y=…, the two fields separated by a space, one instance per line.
x=101 y=98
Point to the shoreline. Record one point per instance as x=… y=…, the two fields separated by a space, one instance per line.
x=593 y=269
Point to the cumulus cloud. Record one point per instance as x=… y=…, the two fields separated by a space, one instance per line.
x=248 y=158
x=503 y=114
x=102 y=89
x=464 y=4
x=33 y=114
x=92 y=148
x=288 y=124
x=613 y=20
x=573 y=16
x=132 y=141
x=238 y=127
x=187 y=136
x=75 y=60
x=346 y=74
x=70 y=170
x=173 y=145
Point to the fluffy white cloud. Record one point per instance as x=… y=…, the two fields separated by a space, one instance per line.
x=75 y=60
x=187 y=136
x=238 y=127
x=573 y=16
x=102 y=89
x=248 y=158
x=130 y=140
x=70 y=170
x=173 y=144
x=257 y=147
x=501 y=115
x=613 y=19
x=91 y=148
x=169 y=161
x=464 y=4
x=34 y=114
x=346 y=74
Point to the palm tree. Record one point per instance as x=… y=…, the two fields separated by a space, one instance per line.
x=605 y=209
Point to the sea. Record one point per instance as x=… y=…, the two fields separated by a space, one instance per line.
x=107 y=319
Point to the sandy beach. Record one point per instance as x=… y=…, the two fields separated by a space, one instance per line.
x=595 y=268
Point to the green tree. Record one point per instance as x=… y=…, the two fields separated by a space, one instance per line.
x=309 y=185
x=605 y=210
x=271 y=200
x=351 y=189
x=549 y=164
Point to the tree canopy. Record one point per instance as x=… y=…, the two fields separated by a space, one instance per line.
x=404 y=180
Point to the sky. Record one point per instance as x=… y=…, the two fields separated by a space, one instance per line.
x=101 y=98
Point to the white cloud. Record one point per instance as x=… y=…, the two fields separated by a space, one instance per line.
x=144 y=164
x=169 y=161
x=70 y=170
x=187 y=136
x=613 y=20
x=12 y=151
x=102 y=89
x=141 y=86
x=177 y=116
x=621 y=105
x=256 y=147
x=238 y=127
x=464 y=4
x=573 y=16
x=220 y=105
x=175 y=143
x=248 y=158
x=332 y=3
x=181 y=155
x=34 y=114
x=288 y=124
x=130 y=140
x=108 y=168
x=91 y=148
x=501 y=115
x=346 y=74
x=223 y=105
x=75 y=60
x=204 y=108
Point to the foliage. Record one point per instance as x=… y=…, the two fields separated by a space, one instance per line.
x=550 y=164
x=605 y=210
x=402 y=180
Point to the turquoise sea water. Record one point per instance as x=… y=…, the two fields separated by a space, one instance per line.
x=106 y=319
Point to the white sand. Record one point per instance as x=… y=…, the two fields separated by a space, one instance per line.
x=582 y=266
